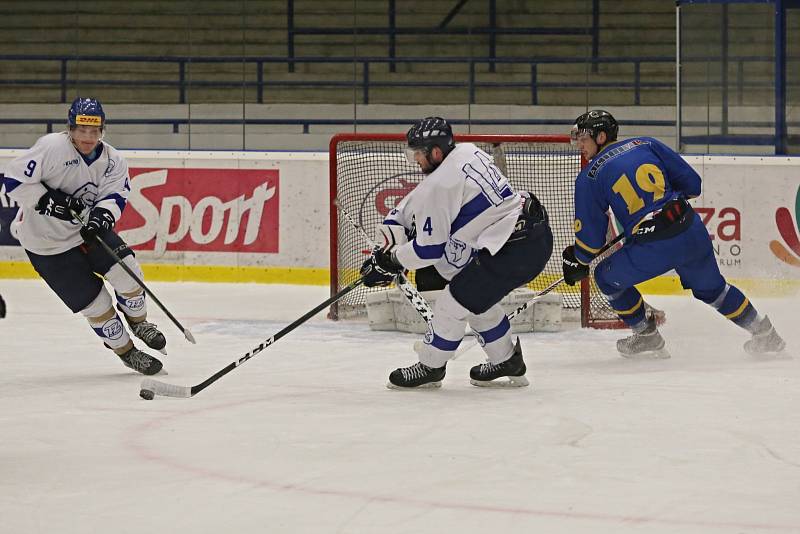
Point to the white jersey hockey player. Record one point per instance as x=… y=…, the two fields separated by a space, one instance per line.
x=486 y=239
x=77 y=172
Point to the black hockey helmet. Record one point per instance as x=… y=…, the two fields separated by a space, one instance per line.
x=593 y=122
x=430 y=132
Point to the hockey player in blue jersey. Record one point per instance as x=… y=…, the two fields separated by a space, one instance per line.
x=76 y=171
x=466 y=221
x=647 y=186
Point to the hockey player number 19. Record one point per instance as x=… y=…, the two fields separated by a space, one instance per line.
x=488 y=177
x=649 y=178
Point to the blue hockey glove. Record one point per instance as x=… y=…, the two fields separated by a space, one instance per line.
x=380 y=269
x=574 y=271
x=100 y=221
x=58 y=204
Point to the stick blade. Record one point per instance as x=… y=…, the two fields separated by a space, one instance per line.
x=166 y=390
x=189 y=336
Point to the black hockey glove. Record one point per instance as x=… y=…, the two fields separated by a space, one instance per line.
x=100 y=221
x=380 y=269
x=58 y=204
x=574 y=271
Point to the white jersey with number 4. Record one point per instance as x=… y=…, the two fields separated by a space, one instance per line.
x=55 y=162
x=463 y=206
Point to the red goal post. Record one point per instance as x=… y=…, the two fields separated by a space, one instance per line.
x=369 y=174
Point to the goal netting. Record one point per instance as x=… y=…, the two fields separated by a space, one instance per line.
x=369 y=175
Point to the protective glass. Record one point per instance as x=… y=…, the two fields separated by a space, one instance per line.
x=579 y=133
x=411 y=154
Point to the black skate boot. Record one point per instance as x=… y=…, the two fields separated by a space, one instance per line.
x=765 y=340
x=149 y=333
x=141 y=362
x=418 y=375
x=486 y=374
x=646 y=344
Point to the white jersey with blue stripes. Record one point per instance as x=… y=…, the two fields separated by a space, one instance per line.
x=54 y=162
x=463 y=206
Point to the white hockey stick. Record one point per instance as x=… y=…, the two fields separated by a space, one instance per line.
x=409 y=291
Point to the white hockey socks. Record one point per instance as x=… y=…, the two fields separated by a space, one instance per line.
x=449 y=321
x=105 y=322
x=130 y=296
x=494 y=331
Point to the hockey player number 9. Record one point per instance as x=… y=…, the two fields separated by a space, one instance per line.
x=31 y=167
x=649 y=178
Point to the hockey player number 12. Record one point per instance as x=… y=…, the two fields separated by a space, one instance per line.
x=649 y=178
x=488 y=177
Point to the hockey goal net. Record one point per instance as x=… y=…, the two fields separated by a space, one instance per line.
x=369 y=175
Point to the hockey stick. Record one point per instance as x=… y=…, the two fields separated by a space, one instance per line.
x=525 y=305
x=133 y=275
x=151 y=387
x=409 y=291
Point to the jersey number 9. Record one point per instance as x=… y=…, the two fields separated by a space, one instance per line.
x=31 y=167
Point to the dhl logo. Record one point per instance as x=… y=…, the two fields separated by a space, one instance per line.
x=89 y=120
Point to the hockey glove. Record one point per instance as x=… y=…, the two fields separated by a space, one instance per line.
x=100 y=221
x=574 y=271
x=380 y=269
x=58 y=204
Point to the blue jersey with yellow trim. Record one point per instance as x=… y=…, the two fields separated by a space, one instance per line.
x=633 y=177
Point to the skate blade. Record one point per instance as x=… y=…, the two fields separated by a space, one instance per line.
x=429 y=385
x=163 y=350
x=512 y=382
x=660 y=354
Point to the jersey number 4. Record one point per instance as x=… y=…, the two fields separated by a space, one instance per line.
x=649 y=179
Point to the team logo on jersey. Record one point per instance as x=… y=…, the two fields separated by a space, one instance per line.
x=457 y=253
x=71 y=162
x=87 y=193
x=112 y=328
x=789 y=231
x=110 y=169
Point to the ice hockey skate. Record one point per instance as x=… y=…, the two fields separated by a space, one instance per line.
x=765 y=340
x=141 y=362
x=647 y=344
x=149 y=333
x=488 y=374
x=418 y=376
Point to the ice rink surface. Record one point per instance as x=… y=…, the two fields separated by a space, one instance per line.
x=306 y=438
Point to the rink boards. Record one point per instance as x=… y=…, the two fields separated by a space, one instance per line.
x=264 y=217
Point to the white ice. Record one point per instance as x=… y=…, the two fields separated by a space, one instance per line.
x=305 y=438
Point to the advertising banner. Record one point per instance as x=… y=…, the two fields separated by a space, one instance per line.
x=213 y=210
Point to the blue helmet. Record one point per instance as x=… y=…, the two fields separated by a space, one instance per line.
x=86 y=112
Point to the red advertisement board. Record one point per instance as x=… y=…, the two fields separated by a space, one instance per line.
x=210 y=210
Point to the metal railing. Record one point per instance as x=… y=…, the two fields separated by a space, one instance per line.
x=391 y=30
x=636 y=81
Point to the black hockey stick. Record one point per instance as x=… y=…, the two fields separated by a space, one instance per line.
x=151 y=387
x=525 y=305
x=411 y=293
x=133 y=275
